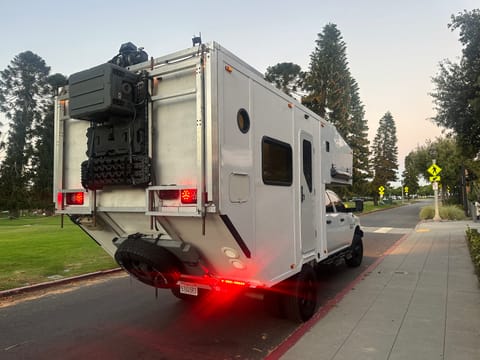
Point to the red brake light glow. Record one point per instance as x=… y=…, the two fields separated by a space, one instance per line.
x=188 y=196
x=75 y=198
x=60 y=199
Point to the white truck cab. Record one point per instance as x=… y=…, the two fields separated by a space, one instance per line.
x=196 y=175
x=340 y=222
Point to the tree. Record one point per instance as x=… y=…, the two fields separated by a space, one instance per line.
x=358 y=141
x=2 y=140
x=23 y=90
x=457 y=86
x=328 y=81
x=333 y=93
x=453 y=162
x=286 y=76
x=42 y=156
x=410 y=174
x=385 y=152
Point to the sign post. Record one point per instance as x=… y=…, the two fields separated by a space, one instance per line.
x=434 y=170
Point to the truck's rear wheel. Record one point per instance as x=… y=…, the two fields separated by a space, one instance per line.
x=149 y=263
x=301 y=301
x=274 y=304
x=356 y=252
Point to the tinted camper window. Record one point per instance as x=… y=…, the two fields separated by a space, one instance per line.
x=276 y=162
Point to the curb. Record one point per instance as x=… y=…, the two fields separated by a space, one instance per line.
x=295 y=336
x=48 y=284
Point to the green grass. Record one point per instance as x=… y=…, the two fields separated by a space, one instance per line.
x=369 y=207
x=450 y=212
x=32 y=249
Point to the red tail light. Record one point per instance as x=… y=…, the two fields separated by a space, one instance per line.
x=188 y=196
x=75 y=198
x=60 y=199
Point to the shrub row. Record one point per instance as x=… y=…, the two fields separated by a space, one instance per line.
x=473 y=238
x=446 y=213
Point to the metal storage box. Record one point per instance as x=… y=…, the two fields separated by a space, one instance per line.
x=102 y=91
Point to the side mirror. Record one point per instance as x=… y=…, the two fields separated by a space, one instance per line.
x=358 y=206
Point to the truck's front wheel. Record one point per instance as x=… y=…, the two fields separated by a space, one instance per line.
x=356 y=250
x=301 y=300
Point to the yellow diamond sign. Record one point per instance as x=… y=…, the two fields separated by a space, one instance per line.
x=434 y=170
x=381 y=190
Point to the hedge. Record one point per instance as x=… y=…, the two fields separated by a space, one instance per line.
x=473 y=239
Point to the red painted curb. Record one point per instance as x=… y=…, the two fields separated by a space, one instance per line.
x=290 y=341
x=44 y=285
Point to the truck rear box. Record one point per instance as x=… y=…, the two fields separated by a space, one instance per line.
x=212 y=164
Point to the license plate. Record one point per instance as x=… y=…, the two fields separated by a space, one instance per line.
x=188 y=289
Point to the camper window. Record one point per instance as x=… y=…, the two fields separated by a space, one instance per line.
x=307 y=163
x=243 y=120
x=276 y=162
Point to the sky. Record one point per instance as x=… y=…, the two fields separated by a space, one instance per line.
x=393 y=47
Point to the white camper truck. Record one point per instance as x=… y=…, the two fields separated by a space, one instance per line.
x=196 y=174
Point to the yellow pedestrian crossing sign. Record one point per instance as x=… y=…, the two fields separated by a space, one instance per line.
x=381 y=190
x=435 y=178
x=434 y=169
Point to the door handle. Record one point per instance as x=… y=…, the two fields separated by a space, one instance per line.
x=342 y=220
x=329 y=222
x=302 y=195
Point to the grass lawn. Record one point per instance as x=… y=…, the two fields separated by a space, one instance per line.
x=36 y=249
x=369 y=207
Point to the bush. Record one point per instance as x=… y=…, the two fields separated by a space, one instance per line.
x=427 y=212
x=473 y=238
x=446 y=213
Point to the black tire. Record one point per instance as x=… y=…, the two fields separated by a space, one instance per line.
x=273 y=303
x=149 y=263
x=356 y=251
x=301 y=301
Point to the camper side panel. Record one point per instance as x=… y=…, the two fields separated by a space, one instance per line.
x=257 y=177
x=236 y=175
x=275 y=183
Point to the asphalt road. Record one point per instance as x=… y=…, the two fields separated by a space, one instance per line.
x=400 y=217
x=118 y=318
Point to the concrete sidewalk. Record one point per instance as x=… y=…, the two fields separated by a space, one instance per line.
x=421 y=302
